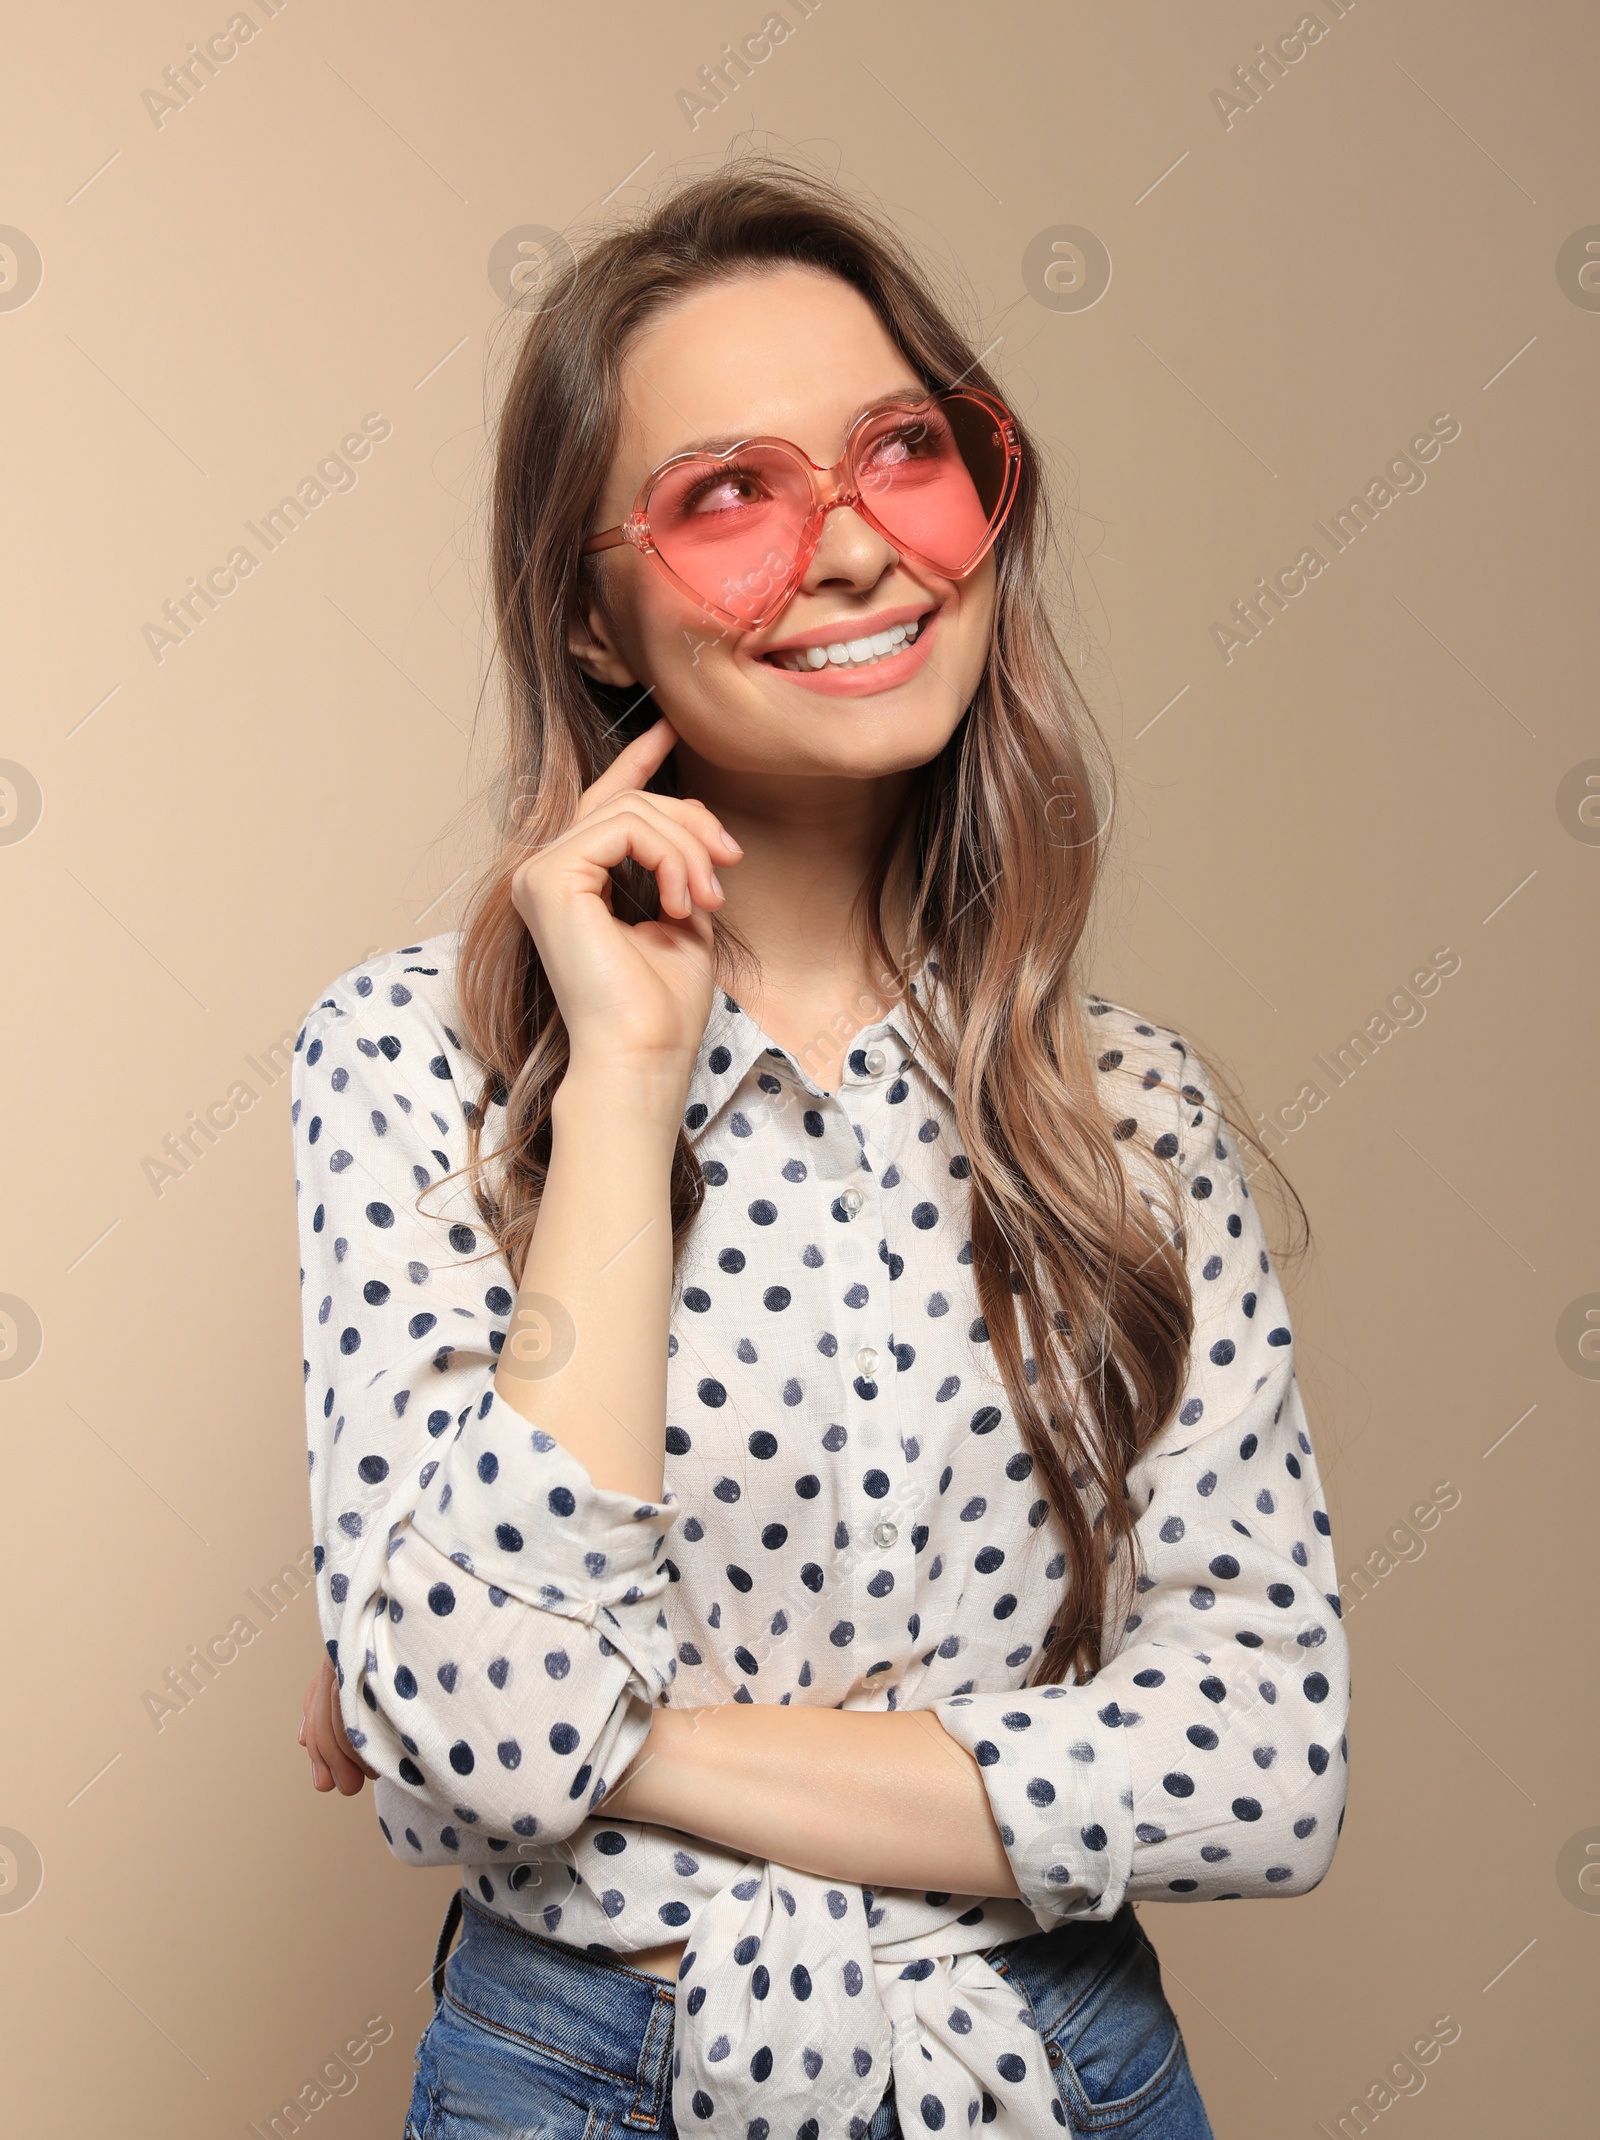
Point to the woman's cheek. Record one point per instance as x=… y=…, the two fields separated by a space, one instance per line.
x=676 y=639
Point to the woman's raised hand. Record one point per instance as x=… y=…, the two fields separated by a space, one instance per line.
x=634 y=997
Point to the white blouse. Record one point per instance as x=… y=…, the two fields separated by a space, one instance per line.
x=848 y=1517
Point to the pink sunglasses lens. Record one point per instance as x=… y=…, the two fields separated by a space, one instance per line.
x=937 y=480
x=731 y=528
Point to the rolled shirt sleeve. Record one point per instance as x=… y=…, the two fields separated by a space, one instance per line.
x=494 y=1616
x=1206 y=1759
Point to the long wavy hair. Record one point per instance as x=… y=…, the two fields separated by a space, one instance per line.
x=1081 y=1286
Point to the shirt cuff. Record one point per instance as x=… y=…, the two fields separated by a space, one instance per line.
x=513 y=1506
x=1056 y=1769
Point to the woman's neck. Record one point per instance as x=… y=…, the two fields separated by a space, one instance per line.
x=794 y=902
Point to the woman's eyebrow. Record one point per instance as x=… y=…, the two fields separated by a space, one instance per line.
x=723 y=440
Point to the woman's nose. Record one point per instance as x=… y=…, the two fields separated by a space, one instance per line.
x=849 y=553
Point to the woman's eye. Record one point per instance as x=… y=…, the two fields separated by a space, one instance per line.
x=913 y=442
x=723 y=492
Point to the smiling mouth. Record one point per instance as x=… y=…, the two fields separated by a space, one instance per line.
x=849 y=653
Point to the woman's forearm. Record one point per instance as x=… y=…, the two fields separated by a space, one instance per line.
x=585 y=1355
x=879 y=1798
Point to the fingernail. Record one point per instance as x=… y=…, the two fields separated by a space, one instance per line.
x=716 y=882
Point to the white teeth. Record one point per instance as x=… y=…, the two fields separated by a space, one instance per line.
x=852 y=653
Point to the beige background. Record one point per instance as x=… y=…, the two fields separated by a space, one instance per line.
x=225 y=296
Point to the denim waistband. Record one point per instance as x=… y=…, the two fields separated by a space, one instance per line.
x=592 y=2011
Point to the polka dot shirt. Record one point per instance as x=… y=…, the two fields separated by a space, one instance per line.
x=849 y=1517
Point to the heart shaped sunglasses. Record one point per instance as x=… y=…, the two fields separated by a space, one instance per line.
x=736 y=529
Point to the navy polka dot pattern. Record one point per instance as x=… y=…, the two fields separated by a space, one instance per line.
x=848 y=1518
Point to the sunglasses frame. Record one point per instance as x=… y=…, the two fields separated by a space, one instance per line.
x=830 y=488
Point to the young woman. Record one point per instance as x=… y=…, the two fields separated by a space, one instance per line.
x=813 y=1507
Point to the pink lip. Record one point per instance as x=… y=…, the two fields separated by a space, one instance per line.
x=865 y=682
x=881 y=620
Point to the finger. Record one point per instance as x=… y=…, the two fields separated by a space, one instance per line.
x=686 y=825
x=316 y=1732
x=686 y=810
x=633 y=765
x=627 y=829
x=333 y=1748
x=686 y=820
x=330 y=1769
x=346 y=1752
x=334 y=1771
x=348 y=1775
x=346 y=1756
x=697 y=817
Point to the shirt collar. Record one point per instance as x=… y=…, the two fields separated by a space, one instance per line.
x=733 y=1043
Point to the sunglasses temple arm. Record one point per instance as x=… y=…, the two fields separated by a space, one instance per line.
x=608 y=541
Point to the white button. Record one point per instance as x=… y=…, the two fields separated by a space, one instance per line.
x=875 y=1060
x=867 y=1360
x=851 y=1200
x=884 y=1533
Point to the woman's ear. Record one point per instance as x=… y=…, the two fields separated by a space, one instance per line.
x=592 y=644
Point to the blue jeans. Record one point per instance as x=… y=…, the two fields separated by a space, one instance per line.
x=529 y=2036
